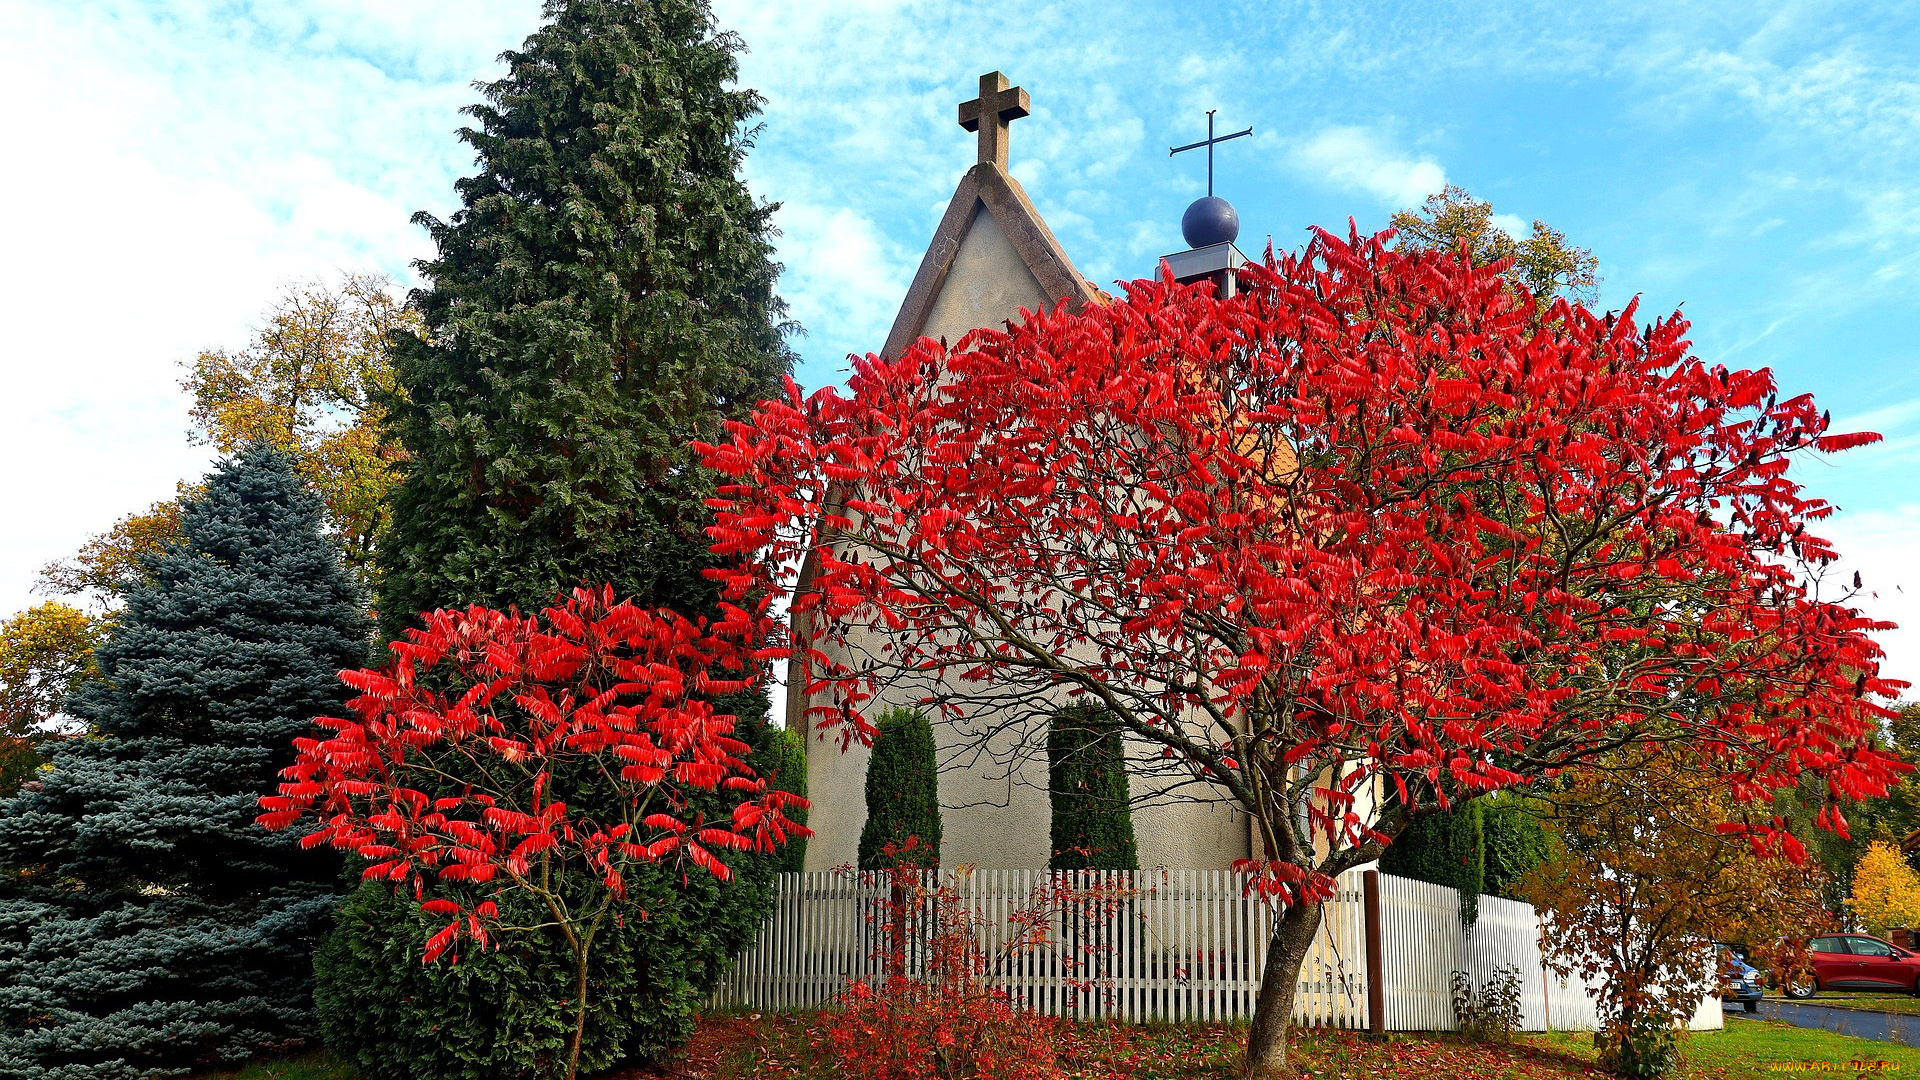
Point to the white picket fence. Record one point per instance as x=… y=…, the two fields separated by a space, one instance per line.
x=1176 y=945
x=1424 y=943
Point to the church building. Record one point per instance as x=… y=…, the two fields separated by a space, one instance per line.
x=991 y=257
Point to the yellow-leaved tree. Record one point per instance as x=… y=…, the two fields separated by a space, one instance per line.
x=314 y=382
x=46 y=652
x=1886 y=891
x=1542 y=259
x=109 y=563
x=1646 y=878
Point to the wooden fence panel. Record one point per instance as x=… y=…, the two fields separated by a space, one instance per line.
x=1180 y=945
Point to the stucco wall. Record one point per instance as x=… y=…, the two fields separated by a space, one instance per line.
x=992 y=822
x=987 y=285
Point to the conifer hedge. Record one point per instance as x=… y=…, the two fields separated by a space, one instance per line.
x=903 y=796
x=1514 y=841
x=1483 y=846
x=784 y=763
x=1092 y=822
x=1445 y=847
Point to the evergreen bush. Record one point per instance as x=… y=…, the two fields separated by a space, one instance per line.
x=903 y=795
x=784 y=762
x=506 y=1013
x=1445 y=847
x=146 y=923
x=1092 y=821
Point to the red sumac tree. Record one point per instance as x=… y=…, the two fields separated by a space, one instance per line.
x=460 y=763
x=1373 y=535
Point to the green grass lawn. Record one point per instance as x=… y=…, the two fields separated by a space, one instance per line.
x=780 y=1047
x=1757 y=1048
x=1898 y=1003
x=315 y=1066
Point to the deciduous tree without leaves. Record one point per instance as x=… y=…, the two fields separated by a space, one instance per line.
x=1373 y=523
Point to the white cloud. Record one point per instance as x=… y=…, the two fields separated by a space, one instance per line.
x=1359 y=157
x=174 y=165
x=1880 y=544
x=843 y=276
x=1884 y=419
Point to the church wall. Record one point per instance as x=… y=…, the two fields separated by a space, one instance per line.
x=989 y=819
x=988 y=284
x=1178 y=831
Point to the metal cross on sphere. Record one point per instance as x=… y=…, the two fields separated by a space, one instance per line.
x=990 y=113
x=1208 y=142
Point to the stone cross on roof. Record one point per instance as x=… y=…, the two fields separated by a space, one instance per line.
x=990 y=113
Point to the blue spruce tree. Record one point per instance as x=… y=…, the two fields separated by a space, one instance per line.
x=146 y=923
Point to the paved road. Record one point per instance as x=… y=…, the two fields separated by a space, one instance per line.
x=1881 y=1027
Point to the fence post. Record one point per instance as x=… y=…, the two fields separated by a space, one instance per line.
x=1376 y=955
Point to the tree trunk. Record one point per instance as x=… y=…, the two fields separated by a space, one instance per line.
x=1272 y=1010
x=579 y=1011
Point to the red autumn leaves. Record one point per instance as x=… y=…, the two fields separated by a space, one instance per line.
x=1375 y=521
x=1375 y=518
x=455 y=762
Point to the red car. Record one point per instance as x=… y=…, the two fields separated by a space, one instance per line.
x=1858 y=962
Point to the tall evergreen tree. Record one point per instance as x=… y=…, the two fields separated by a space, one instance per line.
x=146 y=922
x=604 y=297
x=903 y=795
x=1092 y=820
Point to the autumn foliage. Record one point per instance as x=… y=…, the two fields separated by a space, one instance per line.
x=1646 y=879
x=1376 y=524
x=459 y=763
x=940 y=1011
x=1886 y=891
x=922 y=1031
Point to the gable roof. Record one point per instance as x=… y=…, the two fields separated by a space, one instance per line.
x=988 y=185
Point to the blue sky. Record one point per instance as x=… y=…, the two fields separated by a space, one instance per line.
x=173 y=164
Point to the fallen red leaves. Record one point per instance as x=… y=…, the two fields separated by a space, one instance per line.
x=786 y=1046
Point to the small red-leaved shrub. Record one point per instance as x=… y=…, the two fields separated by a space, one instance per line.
x=936 y=1013
x=906 y=1029
x=472 y=763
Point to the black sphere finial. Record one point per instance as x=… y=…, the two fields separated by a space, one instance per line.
x=1210 y=220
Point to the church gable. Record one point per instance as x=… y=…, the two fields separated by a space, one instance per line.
x=991 y=257
x=992 y=254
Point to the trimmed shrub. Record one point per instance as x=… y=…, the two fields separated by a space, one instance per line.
x=903 y=796
x=1092 y=824
x=1514 y=841
x=507 y=1012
